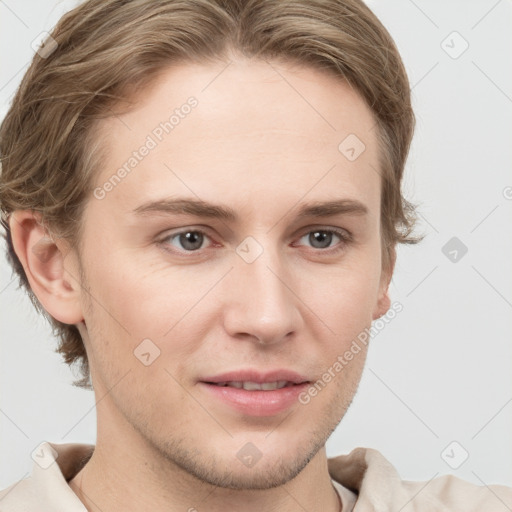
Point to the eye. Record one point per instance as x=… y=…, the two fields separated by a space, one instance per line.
x=193 y=240
x=323 y=238
x=190 y=241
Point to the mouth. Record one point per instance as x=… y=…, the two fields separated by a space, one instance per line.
x=254 y=393
x=256 y=386
x=252 y=379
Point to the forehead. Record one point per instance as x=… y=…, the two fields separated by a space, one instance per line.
x=227 y=129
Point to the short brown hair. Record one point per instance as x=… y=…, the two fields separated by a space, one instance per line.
x=109 y=48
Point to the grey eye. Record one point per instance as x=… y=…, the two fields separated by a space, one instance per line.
x=320 y=239
x=188 y=240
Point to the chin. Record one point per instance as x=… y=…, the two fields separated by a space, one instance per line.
x=261 y=476
x=225 y=467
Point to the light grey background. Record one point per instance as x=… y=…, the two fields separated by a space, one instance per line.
x=441 y=370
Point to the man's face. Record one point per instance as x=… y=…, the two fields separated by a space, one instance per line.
x=267 y=290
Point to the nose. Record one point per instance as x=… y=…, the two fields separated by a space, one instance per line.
x=260 y=302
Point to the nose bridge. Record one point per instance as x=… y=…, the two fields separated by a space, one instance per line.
x=260 y=303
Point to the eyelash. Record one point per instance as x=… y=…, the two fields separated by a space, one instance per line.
x=344 y=236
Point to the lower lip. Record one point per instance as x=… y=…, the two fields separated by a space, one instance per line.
x=257 y=403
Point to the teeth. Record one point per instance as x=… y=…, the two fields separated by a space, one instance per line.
x=254 y=386
x=274 y=385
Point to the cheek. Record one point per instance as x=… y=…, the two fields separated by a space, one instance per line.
x=131 y=304
x=137 y=298
x=343 y=296
x=140 y=297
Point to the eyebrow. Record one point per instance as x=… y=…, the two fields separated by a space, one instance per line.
x=209 y=210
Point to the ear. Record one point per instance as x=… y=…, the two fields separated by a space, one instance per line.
x=383 y=300
x=50 y=266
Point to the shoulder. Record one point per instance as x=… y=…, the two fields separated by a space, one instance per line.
x=377 y=483
x=47 y=486
x=18 y=496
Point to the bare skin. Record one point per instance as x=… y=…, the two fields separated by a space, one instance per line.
x=253 y=144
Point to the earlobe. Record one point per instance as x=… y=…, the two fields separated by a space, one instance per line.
x=49 y=270
x=384 y=302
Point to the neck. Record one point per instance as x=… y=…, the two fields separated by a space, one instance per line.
x=139 y=477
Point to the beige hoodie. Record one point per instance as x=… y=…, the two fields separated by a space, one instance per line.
x=365 y=480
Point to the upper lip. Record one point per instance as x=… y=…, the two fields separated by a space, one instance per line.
x=252 y=375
